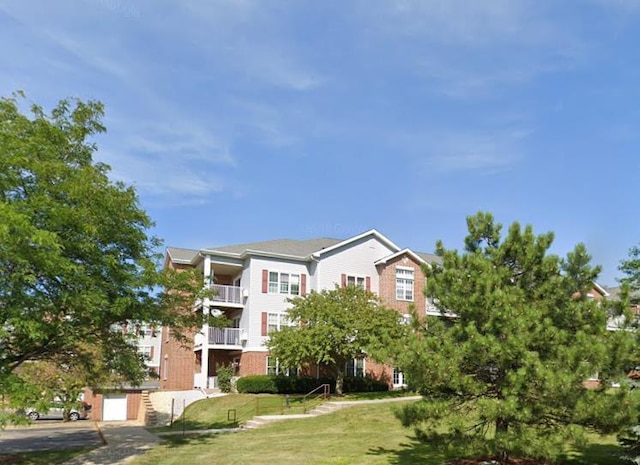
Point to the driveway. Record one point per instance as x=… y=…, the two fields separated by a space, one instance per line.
x=49 y=435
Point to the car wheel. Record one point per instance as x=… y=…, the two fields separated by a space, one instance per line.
x=74 y=416
x=33 y=416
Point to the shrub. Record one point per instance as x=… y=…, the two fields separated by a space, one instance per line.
x=364 y=385
x=225 y=376
x=257 y=384
x=303 y=385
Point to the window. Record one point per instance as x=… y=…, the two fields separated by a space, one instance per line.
x=404 y=284
x=275 y=321
x=275 y=368
x=358 y=281
x=354 y=368
x=398 y=377
x=146 y=352
x=284 y=283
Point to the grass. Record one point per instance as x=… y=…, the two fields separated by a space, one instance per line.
x=236 y=409
x=364 y=434
x=49 y=457
x=375 y=395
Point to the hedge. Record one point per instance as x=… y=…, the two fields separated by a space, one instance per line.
x=302 y=385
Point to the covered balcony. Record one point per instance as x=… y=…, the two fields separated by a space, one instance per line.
x=227 y=295
x=226 y=337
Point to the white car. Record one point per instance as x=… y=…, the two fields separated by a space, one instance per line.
x=56 y=411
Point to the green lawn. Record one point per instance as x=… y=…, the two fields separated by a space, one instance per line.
x=366 y=434
x=236 y=409
x=233 y=410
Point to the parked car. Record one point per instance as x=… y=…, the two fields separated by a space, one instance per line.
x=56 y=412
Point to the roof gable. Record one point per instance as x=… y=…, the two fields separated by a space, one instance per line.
x=183 y=256
x=371 y=233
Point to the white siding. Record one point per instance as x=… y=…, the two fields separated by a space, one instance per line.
x=355 y=259
x=259 y=302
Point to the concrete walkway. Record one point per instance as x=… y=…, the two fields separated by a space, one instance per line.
x=122 y=441
x=322 y=409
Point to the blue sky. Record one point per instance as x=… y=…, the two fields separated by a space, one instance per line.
x=245 y=120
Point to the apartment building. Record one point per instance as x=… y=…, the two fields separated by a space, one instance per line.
x=252 y=284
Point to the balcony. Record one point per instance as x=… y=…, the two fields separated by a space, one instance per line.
x=227 y=295
x=225 y=337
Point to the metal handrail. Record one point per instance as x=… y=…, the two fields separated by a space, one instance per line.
x=326 y=389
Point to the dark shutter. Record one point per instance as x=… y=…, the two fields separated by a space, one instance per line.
x=265 y=281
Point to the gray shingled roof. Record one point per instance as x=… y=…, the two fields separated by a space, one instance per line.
x=429 y=257
x=182 y=255
x=290 y=247
x=614 y=293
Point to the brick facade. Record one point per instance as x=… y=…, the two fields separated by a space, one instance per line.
x=178 y=363
x=253 y=363
x=387 y=291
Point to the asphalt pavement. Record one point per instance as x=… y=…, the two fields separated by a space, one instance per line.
x=114 y=442
x=122 y=441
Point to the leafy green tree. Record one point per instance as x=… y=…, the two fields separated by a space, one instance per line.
x=507 y=375
x=76 y=259
x=335 y=326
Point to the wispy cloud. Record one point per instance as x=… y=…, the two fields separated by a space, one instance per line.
x=478 y=153
x=448 y=152
x=472 y=49
x=178 y=164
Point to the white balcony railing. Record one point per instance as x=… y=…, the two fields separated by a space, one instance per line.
x=226 y=294
x=224 y=336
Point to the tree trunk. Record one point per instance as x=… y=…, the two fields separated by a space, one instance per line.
x=502 y=426
x=339 y=381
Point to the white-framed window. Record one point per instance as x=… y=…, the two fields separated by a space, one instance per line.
x=354 y=368
x=405 y=319
x=398 y=378
x=404 y=284
x=284 y=283
x=146 y=352
x=274 y=367
x=275 y=321
x=358 y=281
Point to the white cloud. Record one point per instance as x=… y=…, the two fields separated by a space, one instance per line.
x=246 y=38
x=437 y=153
x=175 y=164
x=482 y=153
x=468 y=49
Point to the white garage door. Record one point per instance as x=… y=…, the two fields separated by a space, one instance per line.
x=114 y=407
